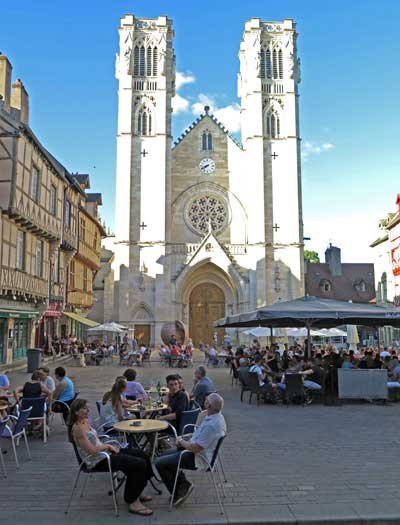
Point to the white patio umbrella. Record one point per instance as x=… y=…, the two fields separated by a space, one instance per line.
x=352 y=337
x=302 y=332
x=263 y=331
x=106 y=327
x=333 y=332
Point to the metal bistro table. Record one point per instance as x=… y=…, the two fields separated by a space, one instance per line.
x=136 y=428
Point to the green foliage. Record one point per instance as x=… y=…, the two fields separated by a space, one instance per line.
x=311 y=256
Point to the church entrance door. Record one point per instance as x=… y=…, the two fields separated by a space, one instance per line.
x=142 y=334
x=206 y=305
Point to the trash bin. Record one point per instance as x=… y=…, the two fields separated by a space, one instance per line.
x=34 y=357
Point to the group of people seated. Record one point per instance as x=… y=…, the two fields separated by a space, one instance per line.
x=127 y=392
x=132 y=353
x=176 y=354
x=58 y=391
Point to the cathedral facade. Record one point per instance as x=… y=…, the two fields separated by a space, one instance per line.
x=205 y=226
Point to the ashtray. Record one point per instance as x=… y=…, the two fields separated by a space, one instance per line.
x=135 y=424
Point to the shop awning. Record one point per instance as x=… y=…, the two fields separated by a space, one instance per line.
x=19 y=314
x=51 y=313
x=80 y=319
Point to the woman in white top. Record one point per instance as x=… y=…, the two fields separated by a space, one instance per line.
x=133 y=463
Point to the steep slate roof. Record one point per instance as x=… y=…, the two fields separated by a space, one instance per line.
x=343 y=288
x=94 y=197
x=82 y=178
x=198 y=120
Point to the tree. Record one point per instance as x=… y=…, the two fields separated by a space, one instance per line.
x=311 y=256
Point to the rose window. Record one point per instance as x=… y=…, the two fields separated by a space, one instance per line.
x=205 y=212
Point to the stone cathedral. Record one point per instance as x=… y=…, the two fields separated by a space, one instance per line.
x=205 y=226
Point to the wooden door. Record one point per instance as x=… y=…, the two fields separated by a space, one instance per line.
x=206 y=305
x=142 y=334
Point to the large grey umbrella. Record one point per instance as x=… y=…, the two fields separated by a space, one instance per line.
x=314 y=312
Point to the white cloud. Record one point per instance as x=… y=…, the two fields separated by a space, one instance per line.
x=229 y=115
x=203 y=100
x=182 y=78
x=310 y=148
x=180 y=104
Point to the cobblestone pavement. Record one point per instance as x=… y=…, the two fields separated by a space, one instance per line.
x=311 y=464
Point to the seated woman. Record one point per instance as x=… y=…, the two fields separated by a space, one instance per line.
x=114 y=405
x=133 y=463
x=32 y=388
x=134 y=389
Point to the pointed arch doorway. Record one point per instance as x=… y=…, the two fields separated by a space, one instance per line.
x=206 y=305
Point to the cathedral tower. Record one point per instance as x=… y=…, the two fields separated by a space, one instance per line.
x=145 y=68
x=268 y=89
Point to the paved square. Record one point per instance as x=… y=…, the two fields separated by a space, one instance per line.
x=299 y=464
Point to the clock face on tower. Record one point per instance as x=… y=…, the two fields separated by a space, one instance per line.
x=207 y=166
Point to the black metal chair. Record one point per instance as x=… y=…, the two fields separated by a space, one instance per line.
x=294 y=388
x=244 y=381
x=255 y=388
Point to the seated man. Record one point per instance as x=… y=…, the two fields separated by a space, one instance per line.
x=201 y=447
x=263 y=380
x=177 y=401
x=203 y=386
x=64 y=391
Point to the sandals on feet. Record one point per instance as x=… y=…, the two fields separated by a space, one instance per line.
x=142 y=512
x=145 y=499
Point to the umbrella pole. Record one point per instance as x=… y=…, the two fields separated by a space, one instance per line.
x=308 y=349
x=272 y=336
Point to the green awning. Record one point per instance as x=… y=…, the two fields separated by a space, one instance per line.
x=19 y=314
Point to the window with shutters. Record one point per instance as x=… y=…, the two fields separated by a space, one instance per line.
x=20 y=255
x=39 y=259
x=53 y=200
x=34 y=184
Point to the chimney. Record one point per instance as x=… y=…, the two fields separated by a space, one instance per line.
x=20 y=101
x=333 y=258
x=5 y=81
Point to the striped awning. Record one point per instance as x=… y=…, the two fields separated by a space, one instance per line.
x=80 y=319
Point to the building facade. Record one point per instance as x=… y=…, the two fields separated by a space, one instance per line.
x=334 y=279
x=206 y=226
x=41 y=207
x=386 y=249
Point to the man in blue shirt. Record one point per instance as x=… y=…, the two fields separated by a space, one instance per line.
x=200 y=448
x=64 y=392
x=203 y=386
x=4 y=385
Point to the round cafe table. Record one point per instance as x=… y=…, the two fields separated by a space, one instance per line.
x=150 y=412
x=146 y=426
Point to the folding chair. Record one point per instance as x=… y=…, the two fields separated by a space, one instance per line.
x=83 y=468
x=212 y=468
x=38 y=412
x=17 y=432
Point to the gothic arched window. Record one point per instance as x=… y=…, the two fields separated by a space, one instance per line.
x=144 y=122
x=325 y=285
x=280 y=64
x=273 y=125
x=207 y=141
x=271 y=63
x=145 y=61
x=155 y=61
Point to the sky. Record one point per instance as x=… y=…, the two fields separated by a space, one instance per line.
x=64 y=52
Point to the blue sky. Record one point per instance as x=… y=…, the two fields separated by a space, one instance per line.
x=64 y=52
